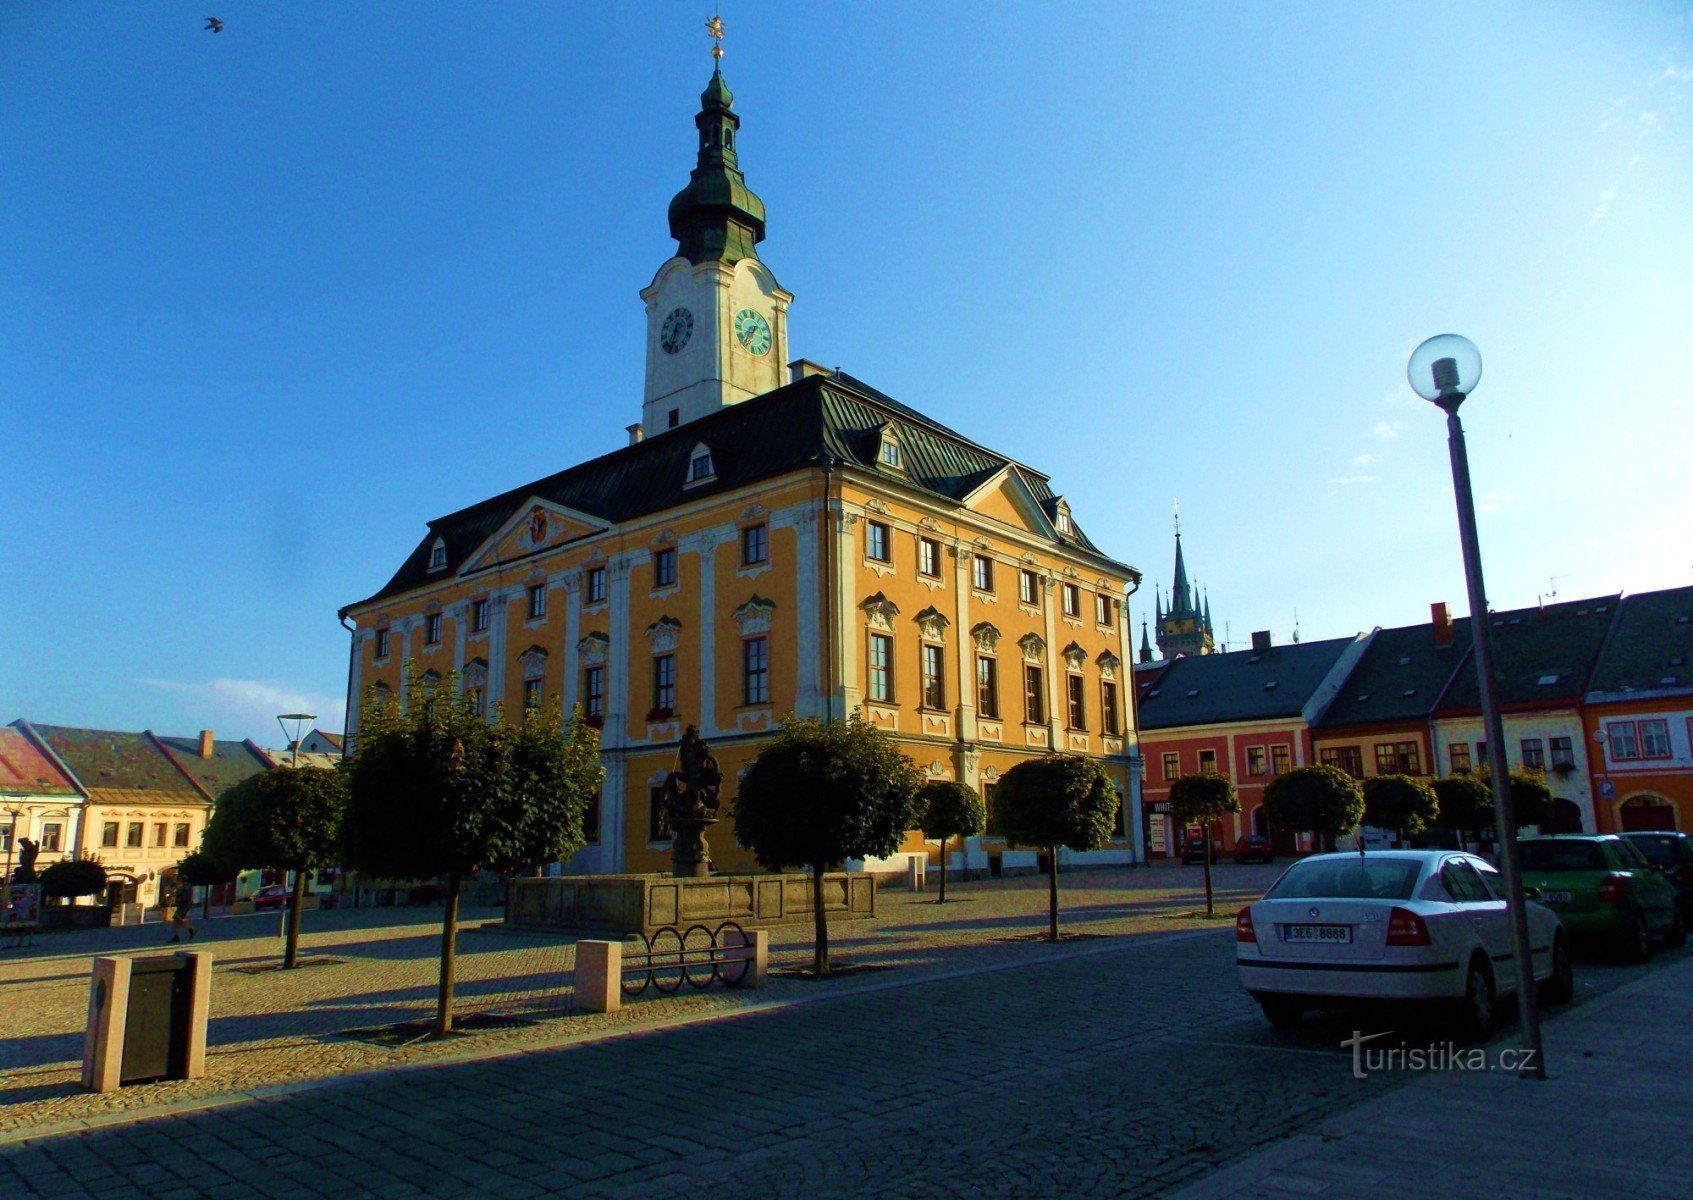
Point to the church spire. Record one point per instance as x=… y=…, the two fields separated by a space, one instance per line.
x=1145 y=645
x=717 y=217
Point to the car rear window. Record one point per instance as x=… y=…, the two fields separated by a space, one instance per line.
x=1350 y=878
x=1658 y=848
x=1554 y=855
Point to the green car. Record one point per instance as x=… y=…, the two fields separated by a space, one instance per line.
x=1604 y=890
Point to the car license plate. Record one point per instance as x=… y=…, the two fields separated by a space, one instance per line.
x=1332 y=934
x=1556 y=897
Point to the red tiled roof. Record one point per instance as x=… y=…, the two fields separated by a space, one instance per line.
x=23 y=768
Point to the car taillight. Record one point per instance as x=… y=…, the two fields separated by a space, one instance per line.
x=1406 y=928
x=1243 y=931
x=1612 y=889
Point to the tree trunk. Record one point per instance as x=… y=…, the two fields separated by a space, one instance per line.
x=1210 y=911
x=449 y=942
x=1052 y=893
x=820 y=920
x=291 y=949
x=942 y=900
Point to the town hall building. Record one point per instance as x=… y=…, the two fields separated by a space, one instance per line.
x=775 y=538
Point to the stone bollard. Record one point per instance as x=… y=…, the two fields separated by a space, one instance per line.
x=756 y=951
x=599 y=976
x=916 y=872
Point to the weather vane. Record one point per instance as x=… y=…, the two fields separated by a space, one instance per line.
x=715 y=28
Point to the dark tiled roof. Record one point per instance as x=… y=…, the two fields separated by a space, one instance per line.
x=24 y=769
x=230 y=763
x=1400 y=677
x=102 y=758
x=1650 y=646
x=820 y=420
x=1203 y=689
x=1540 y=655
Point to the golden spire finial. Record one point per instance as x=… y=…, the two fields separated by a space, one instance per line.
x=715 y=28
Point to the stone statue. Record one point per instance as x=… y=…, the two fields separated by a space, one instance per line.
x=28 y=852
x=690 y=805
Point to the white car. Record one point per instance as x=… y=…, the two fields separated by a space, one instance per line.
x=1392 y=925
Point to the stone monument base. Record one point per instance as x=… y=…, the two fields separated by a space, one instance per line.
x=624 y=904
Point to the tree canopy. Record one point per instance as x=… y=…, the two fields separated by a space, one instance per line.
x=288 y=818
x=949 y=810
x=1400 y=802
x=436 y=790
x=823 y=792
x=71 y=877
x=1323 y=800
x=1465 y=803
x=1203 y=798
x=1052 y=801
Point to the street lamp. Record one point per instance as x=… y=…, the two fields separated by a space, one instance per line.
x=1444 y=370
x=301 y=720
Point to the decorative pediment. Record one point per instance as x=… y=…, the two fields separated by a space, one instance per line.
x=433 y=607
x=534 y=662
x=877 y=505
x=1108 y=664
x=594 y=649
x=936 y=770
x=476 y=673
x=1006 y=496
x=990 y=773
x=1075 y=656
x=662 y=633
x=933 y=623
x=880 y=610
x=665 y=539
x=1033 y=647
x=753 y=512
x=930 y=524
x=985 y=636
x=429 y=680
x=754 y=616
x=537 y=525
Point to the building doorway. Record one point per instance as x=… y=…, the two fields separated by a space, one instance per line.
x=1647 y=814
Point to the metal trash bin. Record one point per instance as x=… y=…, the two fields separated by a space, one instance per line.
x=146 y=1020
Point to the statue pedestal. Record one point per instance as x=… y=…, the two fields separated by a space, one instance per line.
x=690 y=857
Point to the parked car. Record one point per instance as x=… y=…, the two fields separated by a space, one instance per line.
x=274 y=895
x=1421 y=925
x=1604 y=891
x=1671 y=853
x=1193 y=849
x=1253 y=847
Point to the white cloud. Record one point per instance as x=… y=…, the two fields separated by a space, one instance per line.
x=1363 y=460
x=1350 y=480
x=1385 y=431
x=1604 y=205
x=252 y=703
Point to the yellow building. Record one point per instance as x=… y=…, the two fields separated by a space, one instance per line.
x=770 y=541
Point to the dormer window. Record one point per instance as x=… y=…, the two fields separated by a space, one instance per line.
x=888 y=451
x=1065 y=525
x=438 y=556
x=700 y=467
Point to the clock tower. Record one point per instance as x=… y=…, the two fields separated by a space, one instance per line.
x=717 y=320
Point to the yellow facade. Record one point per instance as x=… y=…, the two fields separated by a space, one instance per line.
x=817 y=599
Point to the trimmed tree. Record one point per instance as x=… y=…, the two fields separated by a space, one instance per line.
x=1052 y=801
x=1203 y=799
x=287 y=819
x=200 y=871
x=437 y=791
x=821 y=793
x=1531 y=800
x=1465 y=804
x=1399 y=802
x=72 y=877
x=949 y=810
x=1322 y=800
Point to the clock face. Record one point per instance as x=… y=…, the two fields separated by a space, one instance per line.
x=678 y=328
x=752 y=330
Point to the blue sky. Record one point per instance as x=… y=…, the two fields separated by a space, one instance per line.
x=272 y=298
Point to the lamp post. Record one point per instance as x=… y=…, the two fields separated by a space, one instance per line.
x=1444 y=370
x=300 y=722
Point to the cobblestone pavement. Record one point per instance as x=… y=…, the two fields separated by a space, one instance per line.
x=374 y=967
x=1127 y=1066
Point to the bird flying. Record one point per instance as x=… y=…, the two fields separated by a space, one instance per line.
x=213 y=24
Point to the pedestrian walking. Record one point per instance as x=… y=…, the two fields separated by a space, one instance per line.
x=179 y=915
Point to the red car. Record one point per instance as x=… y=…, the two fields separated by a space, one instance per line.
x=1254 y=847
x=273 y=895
